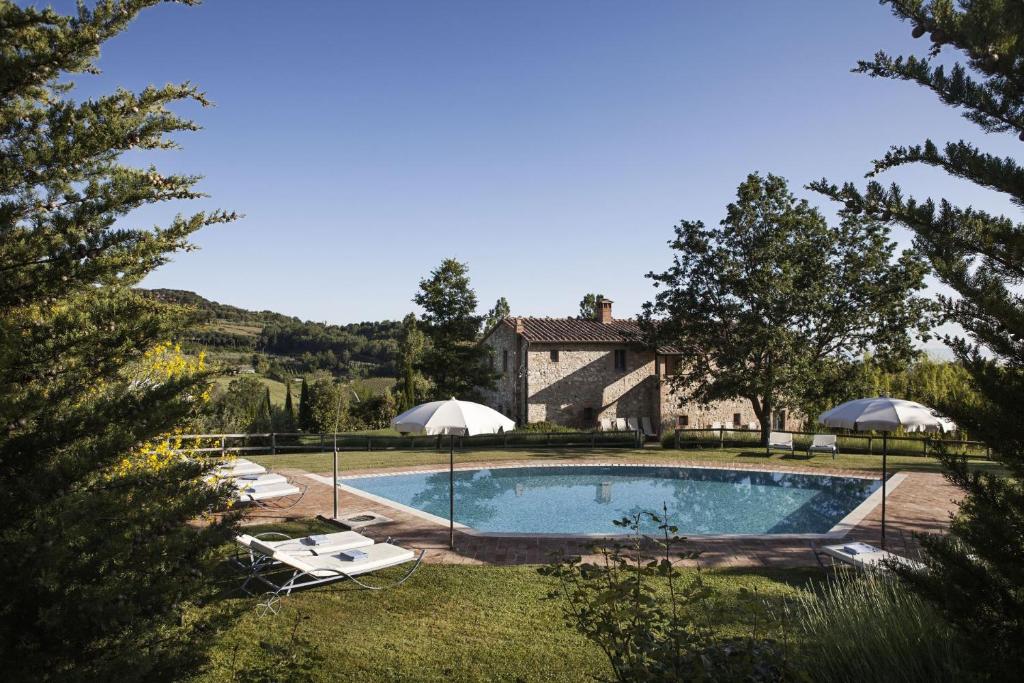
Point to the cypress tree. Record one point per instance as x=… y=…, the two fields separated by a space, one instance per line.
x=305 y=407
x=976 y=572
x=101 y=570
x=265 y=416
x=288 y=416
x=411 y=347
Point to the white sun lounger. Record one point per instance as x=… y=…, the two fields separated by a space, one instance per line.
x=645 y=426
x=320 y=544
x=239 y=468
x=308 y=571
x=824 y=442
x=867 y=557
x=257 y=494
x=633 y=424
x=620 y=424
x=256 y=481
x=780 y=441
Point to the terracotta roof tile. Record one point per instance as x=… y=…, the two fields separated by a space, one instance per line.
x=580 y=331
x=566 y=330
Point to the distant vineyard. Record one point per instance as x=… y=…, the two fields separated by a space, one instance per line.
x=282 y=345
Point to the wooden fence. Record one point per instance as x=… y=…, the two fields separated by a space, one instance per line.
x=276 y=443
x=851 y=442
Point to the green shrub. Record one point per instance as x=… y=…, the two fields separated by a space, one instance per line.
x=652 y=622
x=870 y=628
x=544 y=427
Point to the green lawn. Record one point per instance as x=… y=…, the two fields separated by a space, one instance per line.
x=446 y=623
x=354 y=460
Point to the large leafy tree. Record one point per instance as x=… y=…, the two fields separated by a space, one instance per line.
x=494 y=316
x=455 y=363
x=100 y=566
x=774 y=304
x=588 y=305
x=976 y=571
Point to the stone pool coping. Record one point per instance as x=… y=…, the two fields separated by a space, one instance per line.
x=839 y=530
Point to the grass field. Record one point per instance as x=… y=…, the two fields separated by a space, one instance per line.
x=277 y=389
x=450 y=623
x=355 y=460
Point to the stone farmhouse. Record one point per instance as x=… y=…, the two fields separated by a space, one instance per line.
x=578 y=372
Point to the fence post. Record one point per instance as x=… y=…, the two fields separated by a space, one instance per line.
x=547 y=438
x=321 y=443
x=677 y=439
x=925 y=442
x=223 y=449
x=273 y=443
x=721 y=437
x=870 y=440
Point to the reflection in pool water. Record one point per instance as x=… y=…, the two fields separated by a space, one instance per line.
x=581 y=500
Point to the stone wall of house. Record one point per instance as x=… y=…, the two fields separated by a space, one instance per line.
x=503 y=343
x=723 y=412
x=584 y=383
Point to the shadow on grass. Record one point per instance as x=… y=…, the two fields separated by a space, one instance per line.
x=797 y=456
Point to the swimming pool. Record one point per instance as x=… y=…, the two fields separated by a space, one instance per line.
x=585 y=499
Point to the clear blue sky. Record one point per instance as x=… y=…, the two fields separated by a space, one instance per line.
x=551 y=145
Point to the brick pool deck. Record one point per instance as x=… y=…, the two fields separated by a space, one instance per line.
x=922 y=503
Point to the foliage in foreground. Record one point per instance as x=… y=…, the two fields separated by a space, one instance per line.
x=101 y=571
x=869 y=627
x=653 y=624
x=976 y=572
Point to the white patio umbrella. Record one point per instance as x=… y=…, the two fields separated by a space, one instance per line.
x=885 y=415
x=452 y=417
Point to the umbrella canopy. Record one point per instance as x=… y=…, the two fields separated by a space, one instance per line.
x=886 y=415
x=452 y=417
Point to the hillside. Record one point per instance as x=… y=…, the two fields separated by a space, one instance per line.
x=278 y=347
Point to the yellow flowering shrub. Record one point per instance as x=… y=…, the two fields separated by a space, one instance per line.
x=164 y=361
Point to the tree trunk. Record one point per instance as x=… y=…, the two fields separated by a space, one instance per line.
x=763 y=410
x=765 y=418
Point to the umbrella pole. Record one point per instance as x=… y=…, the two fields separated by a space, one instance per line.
x=885 y=454
x=451 y=492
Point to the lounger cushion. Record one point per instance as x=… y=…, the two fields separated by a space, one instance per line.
x=869 y=560
x=328 y=544
x=239 y=469
x=378 y=556
x=266 y=492
x=260 y=481
x=261 y=547
x=823 y=442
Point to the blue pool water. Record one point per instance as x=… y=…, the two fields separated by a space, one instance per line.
x=585 y=500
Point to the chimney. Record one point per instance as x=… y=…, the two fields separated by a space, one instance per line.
x=604 y=310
